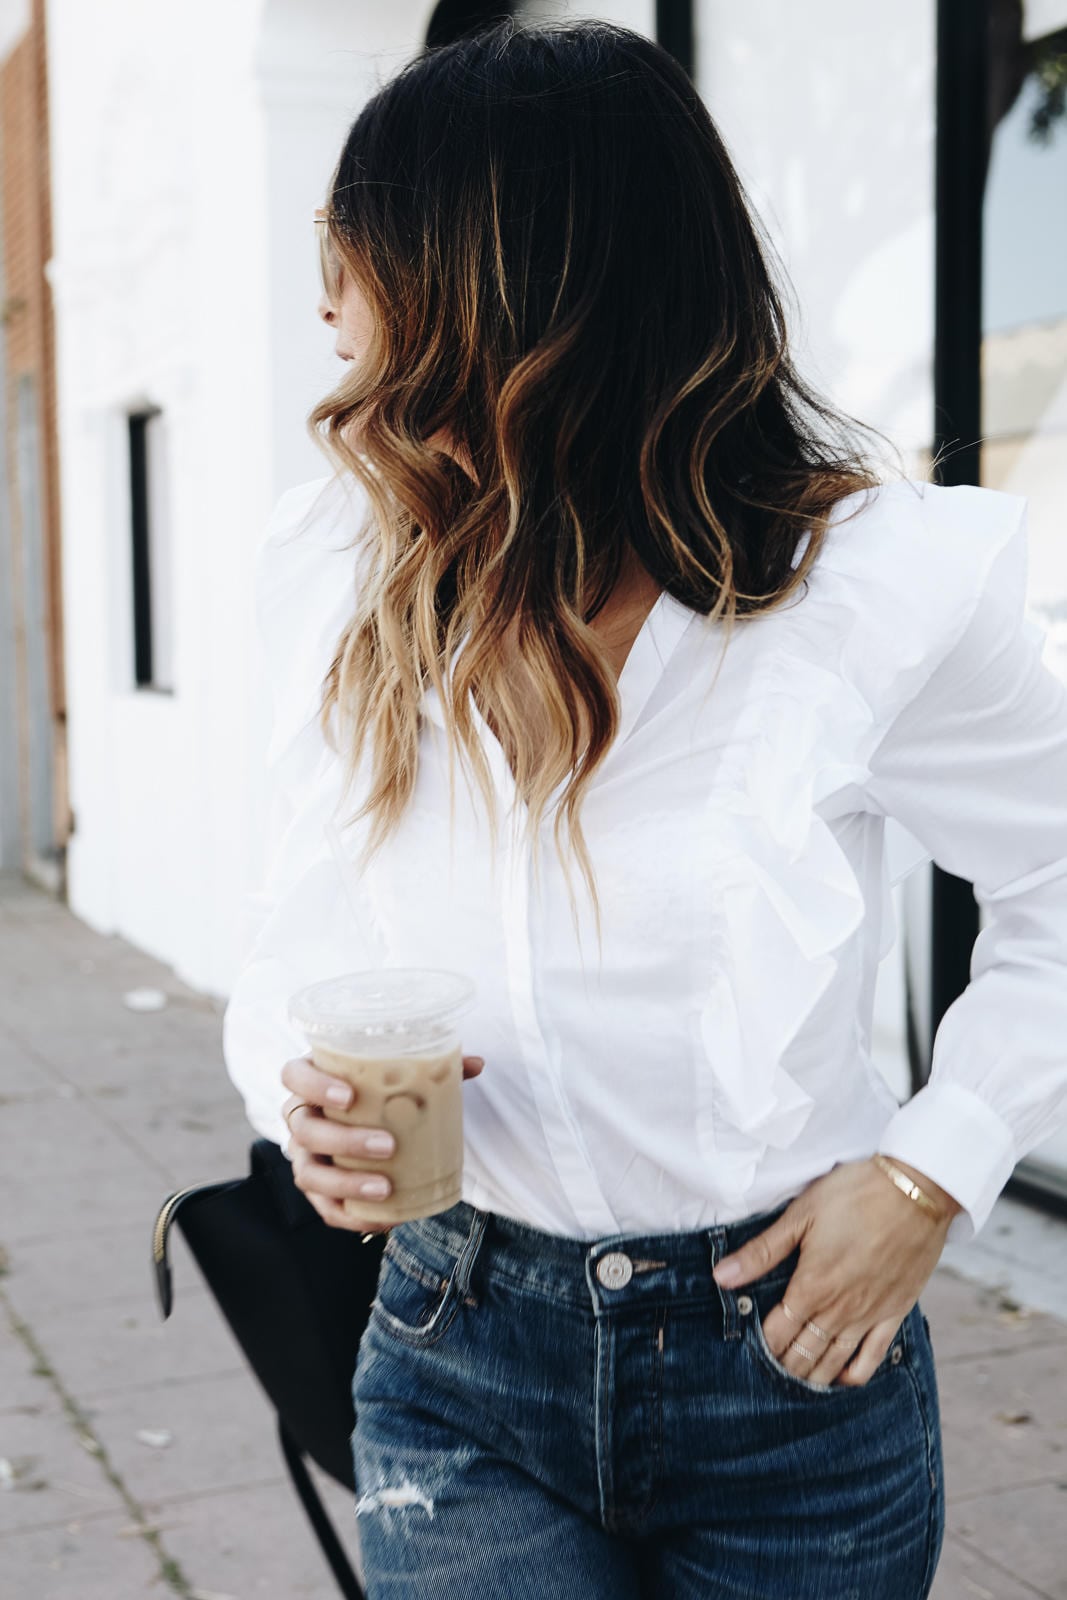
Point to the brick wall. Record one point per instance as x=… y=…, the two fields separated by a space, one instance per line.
x=30 y=450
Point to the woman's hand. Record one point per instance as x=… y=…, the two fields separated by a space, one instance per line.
x=316 y=1140
x=866 y=1252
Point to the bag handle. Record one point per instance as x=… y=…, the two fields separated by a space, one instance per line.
x=161 y=1235
x=332 y=1548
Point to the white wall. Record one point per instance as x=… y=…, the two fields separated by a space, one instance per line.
x=190 y=146
x=316 y=63
x=15 y=18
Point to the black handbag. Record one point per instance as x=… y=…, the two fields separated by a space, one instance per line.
x=297 y=1295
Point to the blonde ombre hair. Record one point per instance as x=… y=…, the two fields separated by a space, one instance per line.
x=566 y=279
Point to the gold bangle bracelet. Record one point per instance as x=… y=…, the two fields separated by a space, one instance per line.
x=908 y=1186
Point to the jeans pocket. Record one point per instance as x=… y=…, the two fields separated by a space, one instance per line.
x=414 y=1302
x=764 y=1298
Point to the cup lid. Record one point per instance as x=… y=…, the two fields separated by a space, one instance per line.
x=383 y=1002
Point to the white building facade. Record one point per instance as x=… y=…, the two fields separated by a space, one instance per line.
x=191 y=147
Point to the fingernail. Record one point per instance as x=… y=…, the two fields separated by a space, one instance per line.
x=381 y=1144
x=376 y=1187
x=479 y=1060
x=726 y=1272
x=339 y=1096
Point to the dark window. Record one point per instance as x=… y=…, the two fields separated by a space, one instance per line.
x=150 y=552
x=675 y=31
x=454 y=19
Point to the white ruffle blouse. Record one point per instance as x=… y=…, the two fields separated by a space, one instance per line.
x=745 y=836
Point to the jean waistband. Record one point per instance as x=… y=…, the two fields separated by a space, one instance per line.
x=613 y=1270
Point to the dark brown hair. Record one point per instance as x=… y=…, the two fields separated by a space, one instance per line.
x=567 y=279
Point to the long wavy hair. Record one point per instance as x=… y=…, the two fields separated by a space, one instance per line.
x=566 y=277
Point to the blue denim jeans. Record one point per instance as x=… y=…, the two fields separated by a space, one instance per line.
x=547 y=1418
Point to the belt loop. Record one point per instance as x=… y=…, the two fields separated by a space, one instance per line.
x=468 y=1255
x=731 y=1326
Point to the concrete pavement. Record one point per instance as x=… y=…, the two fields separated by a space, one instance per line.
x=139 y=1458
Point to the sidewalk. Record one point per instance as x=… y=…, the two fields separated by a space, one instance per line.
x=139 y=1457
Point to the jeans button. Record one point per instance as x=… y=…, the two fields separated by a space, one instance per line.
x=896 y=1354
x=744 y=1304
x=614 y=1270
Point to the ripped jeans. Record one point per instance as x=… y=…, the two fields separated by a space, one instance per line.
x=547 y=1418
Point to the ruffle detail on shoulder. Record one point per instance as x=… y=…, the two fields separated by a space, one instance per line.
x=306 y=585
x=890 y=593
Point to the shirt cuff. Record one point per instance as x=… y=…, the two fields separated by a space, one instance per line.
x=960 y=1143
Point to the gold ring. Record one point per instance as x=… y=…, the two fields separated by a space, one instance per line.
x=850 y=1343
x=821 y=1332
x=790 y=1314
x=812 y=1355
x=290 y=1111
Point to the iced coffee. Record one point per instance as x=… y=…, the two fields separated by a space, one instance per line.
x=392 y=1035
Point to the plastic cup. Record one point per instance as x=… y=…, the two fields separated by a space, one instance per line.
x=392 y=1034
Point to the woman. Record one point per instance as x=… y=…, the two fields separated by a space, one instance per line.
x=592 y=533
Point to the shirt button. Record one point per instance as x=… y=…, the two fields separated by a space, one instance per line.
x=744 y=1304
x=896 y=1354
x=614 y=1270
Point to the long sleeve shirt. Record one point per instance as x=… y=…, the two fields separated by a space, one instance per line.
x=746 y=828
